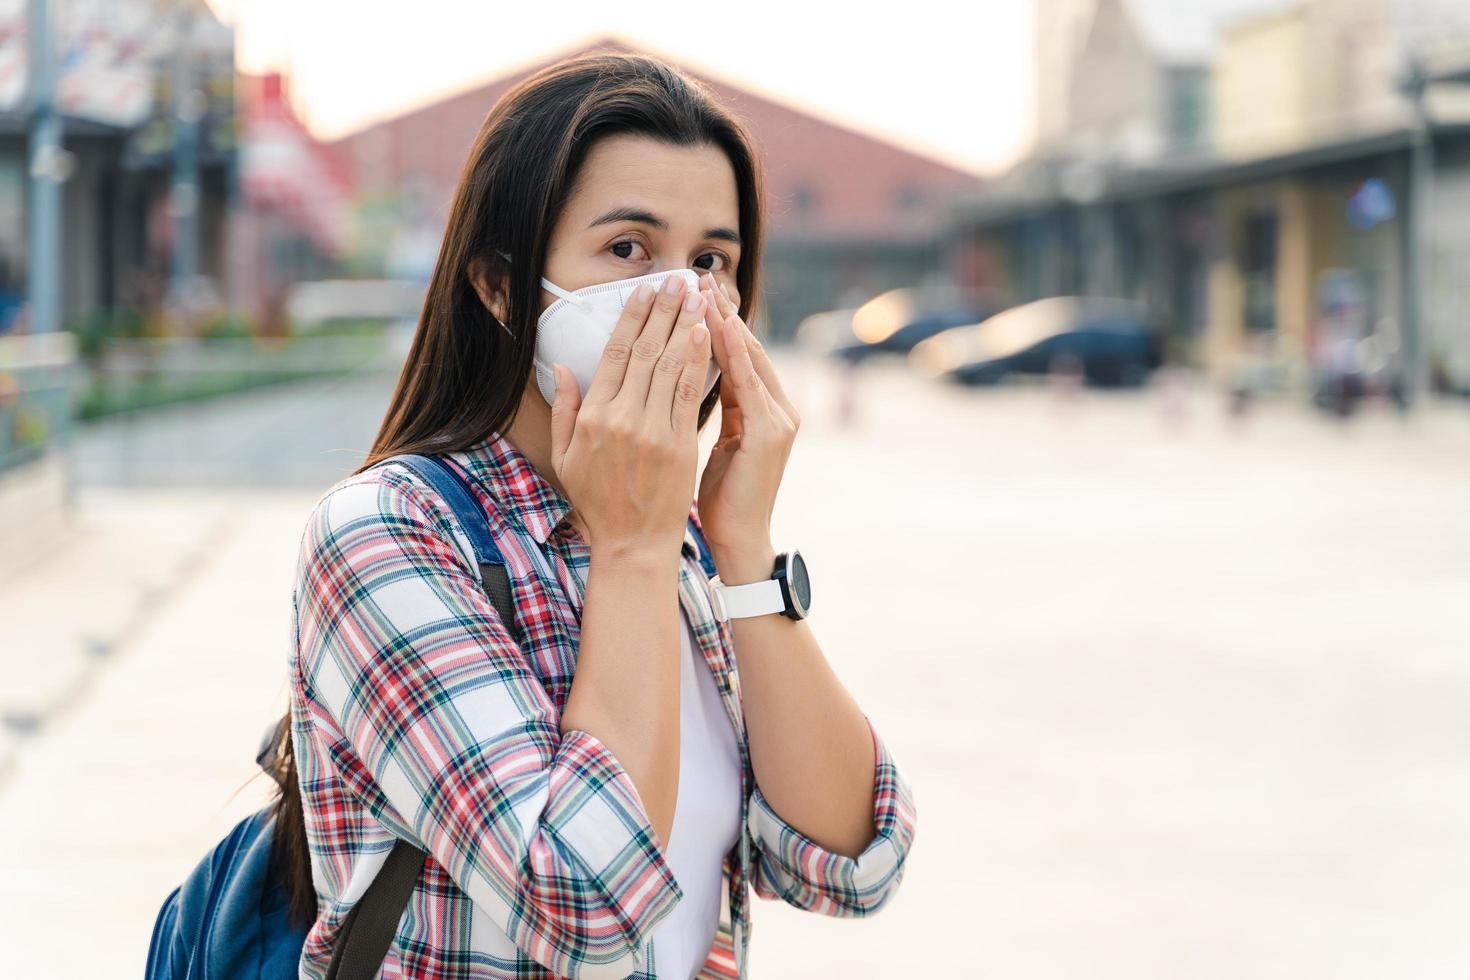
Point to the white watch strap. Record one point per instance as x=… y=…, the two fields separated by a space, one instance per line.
x=740 y=601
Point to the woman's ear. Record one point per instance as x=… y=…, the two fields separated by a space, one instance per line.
x=490 y=289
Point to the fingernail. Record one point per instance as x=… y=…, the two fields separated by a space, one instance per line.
x=699 y=334
x=673 y=284
x=694 y=302
x=643 y=293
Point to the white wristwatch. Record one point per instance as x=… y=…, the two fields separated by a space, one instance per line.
x=788 y=591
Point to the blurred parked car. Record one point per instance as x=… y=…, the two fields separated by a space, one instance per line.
x=893 y=322
x=827 y=332
x=1108 y=341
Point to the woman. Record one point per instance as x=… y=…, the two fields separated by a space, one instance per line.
x=595 y=797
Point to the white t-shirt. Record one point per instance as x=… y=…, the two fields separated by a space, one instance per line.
x=706 y=815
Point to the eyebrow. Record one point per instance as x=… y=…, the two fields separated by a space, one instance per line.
x=628 y=213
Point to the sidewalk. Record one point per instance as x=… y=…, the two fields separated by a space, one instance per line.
x=144 y=758
x=1176 y=701
x=124 y=554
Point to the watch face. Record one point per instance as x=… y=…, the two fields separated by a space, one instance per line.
x=801 y=586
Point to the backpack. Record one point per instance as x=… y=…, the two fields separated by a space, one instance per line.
x=229 y=917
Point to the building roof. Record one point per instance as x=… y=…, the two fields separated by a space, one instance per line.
x=1426 y=27
x=824 y=181
x=1186 y=31
x=1043 y=188
x=1449 y=62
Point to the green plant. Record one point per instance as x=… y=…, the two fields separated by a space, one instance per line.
x=341 y=327
x=93 y=330
x=227 y=325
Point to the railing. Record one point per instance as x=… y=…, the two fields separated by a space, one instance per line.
x=38 y=381
x=44 y=386
x=144 y=373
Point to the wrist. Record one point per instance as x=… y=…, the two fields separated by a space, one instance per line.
x=745 y=565
x=635 y=559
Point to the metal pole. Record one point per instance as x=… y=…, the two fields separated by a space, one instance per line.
x=184 y=199
x=1419 y=335
x=48 y=167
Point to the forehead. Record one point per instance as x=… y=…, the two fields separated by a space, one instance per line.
x=687 y=186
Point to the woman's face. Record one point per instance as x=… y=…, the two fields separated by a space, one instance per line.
x=639 y=206
x=642 y=206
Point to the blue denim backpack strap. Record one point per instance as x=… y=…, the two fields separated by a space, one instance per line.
x=706 y=559
x=370 y=927
x=451 y=486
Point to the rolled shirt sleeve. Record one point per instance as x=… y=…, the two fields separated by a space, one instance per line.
x=796 y=869
x=444 y=732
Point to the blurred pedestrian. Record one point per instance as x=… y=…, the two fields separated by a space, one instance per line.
x=847 y=392
x=1065 y=379
x=1173 y=393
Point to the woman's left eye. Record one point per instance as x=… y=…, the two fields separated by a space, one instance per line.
x=629 y=243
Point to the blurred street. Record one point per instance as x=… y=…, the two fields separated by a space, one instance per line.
x=1132 y=478
x=1180 y=694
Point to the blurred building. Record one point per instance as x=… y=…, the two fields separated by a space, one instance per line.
x=850 y=215
x=120 y=63
x=292 y=216
x=1111 y=84
x=1246 y=169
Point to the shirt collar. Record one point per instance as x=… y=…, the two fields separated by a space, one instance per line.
x=513 y=483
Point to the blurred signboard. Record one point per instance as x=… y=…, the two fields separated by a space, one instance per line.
x=117 y=62
x=285 y=170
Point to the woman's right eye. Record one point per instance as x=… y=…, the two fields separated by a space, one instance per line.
x=625 y=243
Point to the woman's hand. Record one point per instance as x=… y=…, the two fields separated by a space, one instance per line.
x=626 y=452
x=757 y=428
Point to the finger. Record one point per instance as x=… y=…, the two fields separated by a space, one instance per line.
x=668 y=312
x=689 y=391
x=729 y=405
x=767 y=370
x=729 y=401
x=718 y=320
x=748 y=391
x=711 y=313
x=758 y=355
x=608 y=377
x=669 y=367
x=714 y=318
x=563 y=413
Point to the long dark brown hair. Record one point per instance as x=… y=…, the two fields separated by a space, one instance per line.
x=464 y=374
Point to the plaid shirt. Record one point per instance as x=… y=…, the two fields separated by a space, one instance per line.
x=417 y=714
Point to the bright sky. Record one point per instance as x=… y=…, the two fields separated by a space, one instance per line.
x=952 y=80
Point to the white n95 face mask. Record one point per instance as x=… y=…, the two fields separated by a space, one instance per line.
x=575 y=329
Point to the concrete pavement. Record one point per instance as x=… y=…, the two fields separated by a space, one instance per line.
x=114 y=801
x=1175 y=701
